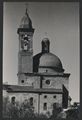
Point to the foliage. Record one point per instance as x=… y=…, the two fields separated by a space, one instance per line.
x=24 y=111
x=56 y=111
x=5 y=104
x=73 y=114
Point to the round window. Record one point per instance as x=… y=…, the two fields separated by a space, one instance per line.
x=22 y=81
x=45 y=96
x=54 y=96
x=47 y=82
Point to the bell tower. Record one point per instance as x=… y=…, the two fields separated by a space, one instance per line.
x=25 y=55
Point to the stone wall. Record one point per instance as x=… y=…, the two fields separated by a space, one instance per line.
x=47 y=70
x=33 y=81
x=55 y=82
x=38 y=100
x=50 y=100
x=20 y=97
x=25 y=62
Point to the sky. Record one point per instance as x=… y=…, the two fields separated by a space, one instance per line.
x=61 y=23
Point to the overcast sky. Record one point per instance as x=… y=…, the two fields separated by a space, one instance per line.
x=60 y=21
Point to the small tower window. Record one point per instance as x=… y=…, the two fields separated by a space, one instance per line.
x=54 y=105
x=22 y=81
x=31 y=101
x=47 y=82
x=45 y=96
x=45 y=106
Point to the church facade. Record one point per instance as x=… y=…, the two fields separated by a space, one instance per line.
x=41 y=78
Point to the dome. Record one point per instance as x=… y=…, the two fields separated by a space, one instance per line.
x=26 y=21
x=50 y=60
x=45 y=59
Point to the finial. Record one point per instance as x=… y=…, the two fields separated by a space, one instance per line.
x=26 y=8
x=46 y=34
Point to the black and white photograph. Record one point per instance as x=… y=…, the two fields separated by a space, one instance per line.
x=41 y=61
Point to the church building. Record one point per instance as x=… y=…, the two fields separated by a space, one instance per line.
x=41 y=78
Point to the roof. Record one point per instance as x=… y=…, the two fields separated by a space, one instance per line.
x=50 y=60
x=26 y=21
x=26 y=24
x=29 y=89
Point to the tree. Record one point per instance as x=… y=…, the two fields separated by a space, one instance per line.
x=5 y=104
x=73 y=114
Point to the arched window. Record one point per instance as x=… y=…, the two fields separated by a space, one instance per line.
x=56 y=105
x=13 y=100
x=45 y=106
x=31 y=101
